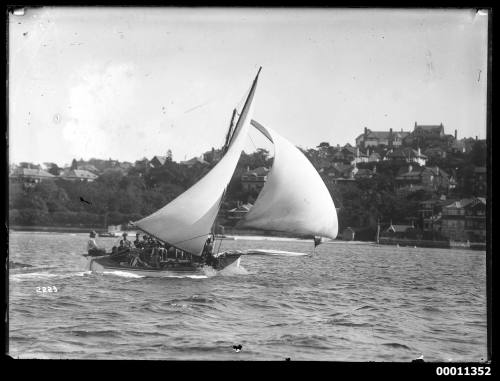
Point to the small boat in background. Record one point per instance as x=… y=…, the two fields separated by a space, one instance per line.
x=107 y=234
x=113 y=231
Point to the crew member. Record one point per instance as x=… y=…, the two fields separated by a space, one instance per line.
x=92 y=247
x=155 y=258
x=137 y=242
x=126 y=242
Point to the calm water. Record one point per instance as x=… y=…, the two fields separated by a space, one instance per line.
x=348 y=302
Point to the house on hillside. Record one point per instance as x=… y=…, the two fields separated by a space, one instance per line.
x=363 y=173
x=78 y=175
x=340 y=172
x=475 y=220
x=254 y=180
x=462 y=146
x=408 y=155
x=429 y=135
x=30 y=175
x=194 y=161
x=347 y=155
x=428 y=130
x=142 y=165
x=27 y=165
x=389 y=138
x=213 y=156
x=89 y=168
x=158 y=161
x=125 y=166
x=435 y=153
x=360 y=157
x=428 y=178
x=374 y=157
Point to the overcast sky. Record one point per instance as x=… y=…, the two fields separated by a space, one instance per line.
x=132 y=82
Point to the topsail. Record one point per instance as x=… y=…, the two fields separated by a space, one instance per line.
x=186 y=221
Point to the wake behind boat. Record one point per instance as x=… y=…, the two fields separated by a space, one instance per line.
x=183 y=232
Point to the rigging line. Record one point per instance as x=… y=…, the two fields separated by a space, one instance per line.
x=252 y=142
x=189 y=239
x=220 y=243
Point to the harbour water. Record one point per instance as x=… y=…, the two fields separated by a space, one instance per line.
x=345 y=302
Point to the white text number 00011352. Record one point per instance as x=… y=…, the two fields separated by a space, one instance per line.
x=463 y=371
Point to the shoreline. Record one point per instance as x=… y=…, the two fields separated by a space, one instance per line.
x=236 y=237
x=53 y=229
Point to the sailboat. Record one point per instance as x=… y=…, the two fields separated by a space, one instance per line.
x=294 y=200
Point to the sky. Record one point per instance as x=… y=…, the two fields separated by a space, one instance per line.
x=127 y=83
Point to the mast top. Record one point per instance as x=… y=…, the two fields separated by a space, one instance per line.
x=260 y=68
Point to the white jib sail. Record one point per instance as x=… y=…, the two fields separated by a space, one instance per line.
x=294 y=199
x=186 y=221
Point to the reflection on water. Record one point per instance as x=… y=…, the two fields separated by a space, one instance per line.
x=345 y=302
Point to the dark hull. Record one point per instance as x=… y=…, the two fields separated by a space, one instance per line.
x=108 y=263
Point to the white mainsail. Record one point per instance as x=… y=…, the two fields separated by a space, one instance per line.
x=294 y=199
x=186 y=221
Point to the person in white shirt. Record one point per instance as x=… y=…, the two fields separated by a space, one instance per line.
x=92 y=247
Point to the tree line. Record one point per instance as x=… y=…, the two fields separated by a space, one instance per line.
x=116 y=198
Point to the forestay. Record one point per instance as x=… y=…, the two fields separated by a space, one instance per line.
x=294 y=198
x=186 y=221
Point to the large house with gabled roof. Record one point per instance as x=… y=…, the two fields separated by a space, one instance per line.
x=30 y=175
x=408 y=155
x=427 y=178
x=158 y=161
x=389 y=138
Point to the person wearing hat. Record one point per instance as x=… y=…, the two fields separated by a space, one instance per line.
x=125 y=242
x=92 y=247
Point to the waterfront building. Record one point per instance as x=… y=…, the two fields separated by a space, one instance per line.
x=475 y=220
x=348 y=234
x=465 y=220
x=398 y=230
